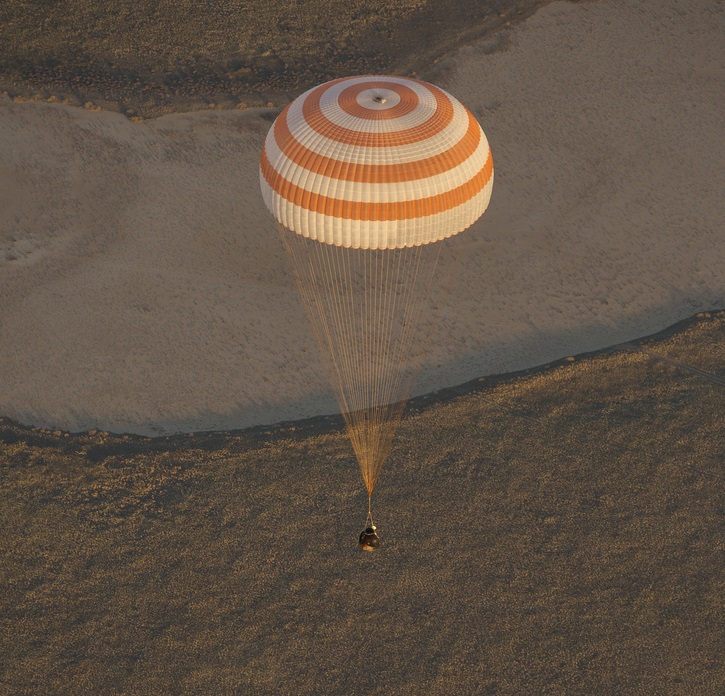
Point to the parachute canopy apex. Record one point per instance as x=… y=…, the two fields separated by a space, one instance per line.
x=376 y=162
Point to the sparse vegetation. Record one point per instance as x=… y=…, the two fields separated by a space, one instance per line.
x=556 y=534
x=149 y=56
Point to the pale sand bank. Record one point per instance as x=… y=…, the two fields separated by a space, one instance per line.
x=142 y=288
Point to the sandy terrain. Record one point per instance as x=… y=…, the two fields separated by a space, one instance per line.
x=560 y=534
x=143 y=288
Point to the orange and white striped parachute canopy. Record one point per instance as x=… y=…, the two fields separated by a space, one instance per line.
x=376 y=162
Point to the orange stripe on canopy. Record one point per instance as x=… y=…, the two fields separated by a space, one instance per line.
x=376 y=173
x=316 y=120
x=347 y=100
x=355 y=210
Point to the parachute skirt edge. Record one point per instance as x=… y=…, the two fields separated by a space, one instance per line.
x=376 y=234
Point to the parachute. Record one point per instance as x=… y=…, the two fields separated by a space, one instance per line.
x=365 y=176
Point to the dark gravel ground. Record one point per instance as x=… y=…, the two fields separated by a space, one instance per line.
x=557 y=531
x=148 y=57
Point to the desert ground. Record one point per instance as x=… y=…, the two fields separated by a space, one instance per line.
x=178 y=502
x=150 y=57
x=144 y=288
x=560 y=533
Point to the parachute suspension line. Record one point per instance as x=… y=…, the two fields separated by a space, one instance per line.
x=332 y=290
x=364 y=307
x=378 y=419
x=355 y=269
x=369 y=522
x=404 y=380
x=380 y=364
x=312 y=297
x=354 y=336
x=396 y=361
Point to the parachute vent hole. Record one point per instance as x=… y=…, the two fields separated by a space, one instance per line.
x=379 y=99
